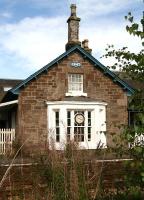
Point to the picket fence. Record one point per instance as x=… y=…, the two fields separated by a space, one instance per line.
x=139 y=139
x=7 y=136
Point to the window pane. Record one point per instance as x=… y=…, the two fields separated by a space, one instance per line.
x=68 y=114
x=89 y=137
x=57 y=126
x=68 y=125
x=68 y=122
x=68 y=118
x=75 y=82
x=57 y=131
x=89 y=126
x=57 y=138
x=57 y=122
x=57 y=134
x=57 y=118
x=89 y=129
x=79 y=134
x=89 y=118
x=57 y=115
x=68 y=133
x=89 y=114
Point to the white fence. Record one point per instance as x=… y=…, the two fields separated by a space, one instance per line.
x=139 y=139
x=7 y=136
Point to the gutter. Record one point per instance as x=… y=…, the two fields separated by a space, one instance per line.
x=8 y=103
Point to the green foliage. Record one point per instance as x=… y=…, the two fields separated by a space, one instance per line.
x=135 y=28
x=131 y=195
x=132 y=66
x=130 y=62
x=83 y=193
x=58 y=183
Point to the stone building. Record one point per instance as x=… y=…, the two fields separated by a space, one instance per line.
x=73 y=98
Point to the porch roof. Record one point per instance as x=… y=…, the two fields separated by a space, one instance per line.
x=8 y=104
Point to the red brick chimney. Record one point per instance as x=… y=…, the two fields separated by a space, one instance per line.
x=73 y=29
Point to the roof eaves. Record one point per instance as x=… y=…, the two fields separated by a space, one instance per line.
x=16 y=89
x=105 y=70
x=108 y=72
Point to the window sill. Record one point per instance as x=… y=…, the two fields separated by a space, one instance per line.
x=74 y=94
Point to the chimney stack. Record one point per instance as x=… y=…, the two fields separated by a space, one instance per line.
x=85 y=46
x=73 y=28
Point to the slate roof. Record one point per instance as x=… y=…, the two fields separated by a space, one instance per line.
x=94 y=61
x=137 y=85
x=19 y=84
x=7 y=83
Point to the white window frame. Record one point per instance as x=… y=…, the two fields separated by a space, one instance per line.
x=75 y=80
x=98 y=120
x=74 y=125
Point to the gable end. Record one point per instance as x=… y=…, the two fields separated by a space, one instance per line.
x=87 y=55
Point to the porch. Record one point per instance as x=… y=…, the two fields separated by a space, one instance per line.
x=8 y=112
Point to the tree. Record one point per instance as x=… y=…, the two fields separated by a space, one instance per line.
x=132 y=65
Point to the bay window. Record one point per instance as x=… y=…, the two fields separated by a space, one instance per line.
x=81 y=122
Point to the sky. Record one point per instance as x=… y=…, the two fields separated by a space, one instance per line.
x=34 y=32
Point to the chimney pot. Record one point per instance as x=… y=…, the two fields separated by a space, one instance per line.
x=85 y=46
x=73 y=9
x=85 y=43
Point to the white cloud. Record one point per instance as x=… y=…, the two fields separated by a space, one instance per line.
x=36 y=40
x=33 y=42
x=109 y=34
